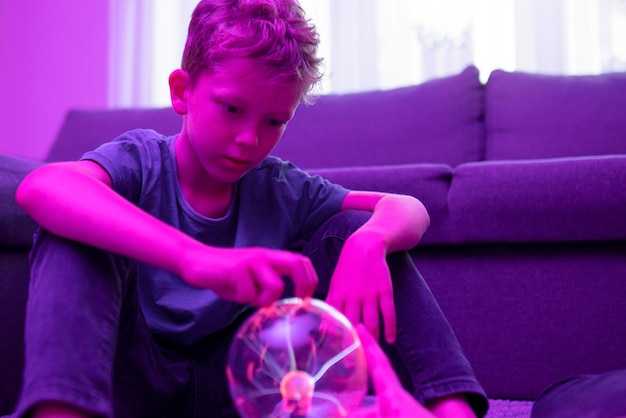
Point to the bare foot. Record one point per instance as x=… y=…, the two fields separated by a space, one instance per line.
x=451 y=407
x=57 y=410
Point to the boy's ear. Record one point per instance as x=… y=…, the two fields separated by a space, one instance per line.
x=179 y=83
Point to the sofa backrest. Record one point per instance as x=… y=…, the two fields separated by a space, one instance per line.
x=530 y=116
x=84 y=130
x=450 y=120
x=439 y=121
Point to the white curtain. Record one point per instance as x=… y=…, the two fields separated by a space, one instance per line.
x=382 y=44
x=146 y=43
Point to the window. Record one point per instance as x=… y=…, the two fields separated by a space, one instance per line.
x=382 y=44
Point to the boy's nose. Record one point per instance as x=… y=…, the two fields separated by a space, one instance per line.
x=248 y=137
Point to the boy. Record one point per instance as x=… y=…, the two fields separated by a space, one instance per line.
x=152 y=249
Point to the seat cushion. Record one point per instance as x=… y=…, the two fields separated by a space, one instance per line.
x=539 y=201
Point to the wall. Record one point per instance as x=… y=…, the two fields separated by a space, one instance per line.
x=53 y=57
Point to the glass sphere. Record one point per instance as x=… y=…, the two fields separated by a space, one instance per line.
x=297 y=358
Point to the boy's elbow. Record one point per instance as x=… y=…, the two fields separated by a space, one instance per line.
x=26 y=191
x=417 y=207
x=424 y=212
x=423 y=218
x=31 y=191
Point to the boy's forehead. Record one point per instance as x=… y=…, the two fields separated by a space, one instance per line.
x=247 y=72
x=248 y=82
x=253 y=68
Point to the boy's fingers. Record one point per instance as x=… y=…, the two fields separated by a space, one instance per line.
x=300 y=270
x=388 y=311
x=270 y=286
x=311 y=281
x=352 y=311
x=244 y=291
x=371 y=318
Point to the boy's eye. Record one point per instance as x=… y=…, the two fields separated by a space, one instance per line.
x=277 y=123
x=232 y=109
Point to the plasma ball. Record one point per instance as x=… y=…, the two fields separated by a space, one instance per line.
x=297 y=358
x=296 y=388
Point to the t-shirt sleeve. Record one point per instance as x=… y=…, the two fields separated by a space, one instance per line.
x=132 y=161
x=317 y=199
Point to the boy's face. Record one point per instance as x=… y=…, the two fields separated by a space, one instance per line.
x=232 y=120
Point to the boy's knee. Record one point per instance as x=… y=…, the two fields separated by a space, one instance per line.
x=55 y=257
x=325 y=246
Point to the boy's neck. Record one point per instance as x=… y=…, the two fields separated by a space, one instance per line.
x=212 y=206
x=208 y=198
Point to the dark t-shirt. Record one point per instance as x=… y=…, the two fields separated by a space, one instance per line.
x=274 y=205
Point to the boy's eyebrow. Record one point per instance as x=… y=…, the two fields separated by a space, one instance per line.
x=283 y=116
x=226 y=96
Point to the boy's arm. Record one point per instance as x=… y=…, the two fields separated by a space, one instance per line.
x=391 y=398
x=400 y=220
x=397 y=223
x=75 y=200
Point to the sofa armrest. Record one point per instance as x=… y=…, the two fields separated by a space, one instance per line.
x=16 y=226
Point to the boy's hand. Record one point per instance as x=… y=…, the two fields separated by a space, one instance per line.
x=393 y=401
x=248 y=275
x=361 y=285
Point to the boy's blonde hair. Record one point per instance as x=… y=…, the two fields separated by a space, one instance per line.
x=274 y=32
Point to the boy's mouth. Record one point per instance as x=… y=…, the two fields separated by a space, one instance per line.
x=236 y=162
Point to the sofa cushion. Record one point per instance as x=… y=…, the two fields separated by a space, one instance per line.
x=552 y=200
x=16 y=226
x=85 y=130
x=546 y=116
x=427 y=182
x=439 y=121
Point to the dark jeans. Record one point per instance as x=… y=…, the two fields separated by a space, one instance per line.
x=589 y=396
x=88 y=344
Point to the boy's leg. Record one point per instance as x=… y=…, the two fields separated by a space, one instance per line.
x=426 y=355
x=78 y=298
x=602 y=395
x=210 y=390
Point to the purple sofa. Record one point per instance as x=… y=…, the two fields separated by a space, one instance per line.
x=525 y=180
